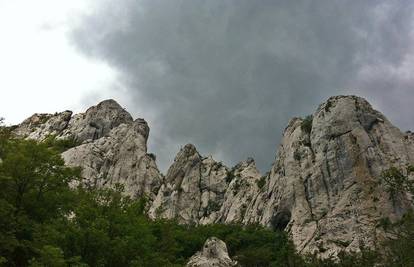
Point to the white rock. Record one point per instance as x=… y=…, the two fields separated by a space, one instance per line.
x=113 y=149
x=213 y=254
x=193 y=191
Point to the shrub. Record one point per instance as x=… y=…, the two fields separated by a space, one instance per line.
x=261 y=182
x=60 y=145
x=230 y=176
x=306 y=125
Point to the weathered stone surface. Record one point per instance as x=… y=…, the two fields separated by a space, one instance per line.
x=193 y=190
x=325 y=186
x=97 y=121
x=120 y=157
x=113 y=146
x=213 y=254
x=246 y=182
x=40 y=126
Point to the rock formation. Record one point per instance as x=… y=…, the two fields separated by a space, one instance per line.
x=246 y=183
x=111 y=146
x=213 y=254
x=324 y=188
x=193 y=189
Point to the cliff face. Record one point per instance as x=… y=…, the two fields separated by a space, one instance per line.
x=111 y=146
x=193 y=189
x=324 y=188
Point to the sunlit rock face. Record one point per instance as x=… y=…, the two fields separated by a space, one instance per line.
x=110 y=148
x=213 y=254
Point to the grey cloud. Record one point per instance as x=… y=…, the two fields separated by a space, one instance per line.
x=228 y=75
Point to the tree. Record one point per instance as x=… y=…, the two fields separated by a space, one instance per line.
x=34 y=189
x=400 y=246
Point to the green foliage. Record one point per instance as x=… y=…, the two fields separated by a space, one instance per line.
x=49 y=256
x=261 y=182
x=396 y=182
x=306 y=124
x=60 y=145
x=33 y=191
x=401 y=245
x=230 y=177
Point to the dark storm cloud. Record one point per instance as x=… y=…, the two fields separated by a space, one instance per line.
x=228 y=75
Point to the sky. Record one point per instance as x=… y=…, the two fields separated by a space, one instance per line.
x=224 y=75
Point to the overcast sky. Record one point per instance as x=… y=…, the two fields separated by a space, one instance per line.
x=224 y=75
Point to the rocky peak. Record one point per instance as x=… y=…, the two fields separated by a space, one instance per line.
x=325 y=185
x=39 y=126
x=245 y=182
x=193 y=190
x=97 y=121
x=246 y=169
x=112 y=146
x=213 y=254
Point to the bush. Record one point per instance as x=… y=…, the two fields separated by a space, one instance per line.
x=306 y=125
x=261 y=182
x=60 y=145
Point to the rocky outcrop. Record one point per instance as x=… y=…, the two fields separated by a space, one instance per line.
x=110 y=148
x=95 y=123
x=119 y=158
x=40 y=126
x=193 y=189
x=213 y=254
x=325 y=187
x=245 y=183
x=98 y=121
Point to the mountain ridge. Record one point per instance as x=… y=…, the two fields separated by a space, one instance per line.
x=324 y=187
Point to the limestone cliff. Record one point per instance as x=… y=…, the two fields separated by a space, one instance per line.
x=111 y=146
x=324 y=188
x=193 y=189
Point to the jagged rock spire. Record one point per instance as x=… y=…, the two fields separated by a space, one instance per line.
x=194 y=188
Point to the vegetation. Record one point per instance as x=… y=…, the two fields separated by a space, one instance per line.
x=261 y=182
x=306 y=125
x=396 y=182
x=44 y=222
x=60 y=145
x=230 y=176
